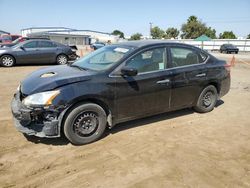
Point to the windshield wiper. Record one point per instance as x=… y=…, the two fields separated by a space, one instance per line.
x=77 y=66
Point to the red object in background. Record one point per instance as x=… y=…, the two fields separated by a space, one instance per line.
x=6 y=39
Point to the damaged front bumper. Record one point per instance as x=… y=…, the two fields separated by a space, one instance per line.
x=39 y=122
x=73 y=57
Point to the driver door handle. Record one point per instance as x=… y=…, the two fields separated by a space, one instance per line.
x=200 y=75
x=163 y=81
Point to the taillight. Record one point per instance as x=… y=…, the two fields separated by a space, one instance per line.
x=227 y=67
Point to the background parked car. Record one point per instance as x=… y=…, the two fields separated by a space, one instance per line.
x=36 y=51
x=97 y=45
x=228 y=48
x=18 y=40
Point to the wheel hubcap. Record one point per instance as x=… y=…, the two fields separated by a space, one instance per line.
x=85 y=124
x=207 y=99
x=62 y=60
x=7 y=61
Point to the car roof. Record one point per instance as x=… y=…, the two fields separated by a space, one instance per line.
x=144 y=43
x=27 y=41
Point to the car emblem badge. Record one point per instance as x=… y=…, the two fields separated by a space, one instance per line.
x=48 y=74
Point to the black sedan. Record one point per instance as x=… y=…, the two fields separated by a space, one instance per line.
x=229 y=48
x=118 y=83
x=36 y=51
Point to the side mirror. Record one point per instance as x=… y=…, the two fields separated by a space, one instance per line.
x=22 y=48
x=127 y=71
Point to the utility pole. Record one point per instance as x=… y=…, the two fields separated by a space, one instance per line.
x=150 y=29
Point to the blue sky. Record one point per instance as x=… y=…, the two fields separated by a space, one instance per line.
x=129 y=16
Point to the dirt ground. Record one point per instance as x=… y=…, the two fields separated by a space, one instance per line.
x=177 y=149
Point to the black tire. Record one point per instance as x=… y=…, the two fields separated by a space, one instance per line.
x=62 y=59
x=85 y=123
x=7 y=61
x=207 y=99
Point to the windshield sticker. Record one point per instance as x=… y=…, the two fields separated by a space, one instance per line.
x=122 y=50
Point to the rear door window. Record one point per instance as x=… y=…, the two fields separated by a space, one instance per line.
x=184 y=56
x=46 y=44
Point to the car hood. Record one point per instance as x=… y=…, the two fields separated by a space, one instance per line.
x=53 y=77
x=2 y=50
x=6 y=49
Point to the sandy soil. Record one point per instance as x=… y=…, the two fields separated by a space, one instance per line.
x=177 y=149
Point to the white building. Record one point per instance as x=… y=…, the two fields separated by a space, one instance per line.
x=68 y=32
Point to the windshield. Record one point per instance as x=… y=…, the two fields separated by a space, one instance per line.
x=103 y=58
x=17 y=45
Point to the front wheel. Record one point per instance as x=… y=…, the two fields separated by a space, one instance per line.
x=61 y=59
x=7 y=61
x=207 y=99
x=85 y=123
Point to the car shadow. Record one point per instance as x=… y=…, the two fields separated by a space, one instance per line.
x=35 y=64
x=149 y=120
x=48 y=141
x=39 y=64
x=121 y=126
x=153 y=119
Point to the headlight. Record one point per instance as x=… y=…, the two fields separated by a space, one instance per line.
x=38 y=99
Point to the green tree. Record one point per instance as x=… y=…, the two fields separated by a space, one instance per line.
x=157 y=33
x=211 y=33
x=248 y=36
x=172 y=32
x=227 y=35
x=136 y=36
x=195 y=28
x=118 y=33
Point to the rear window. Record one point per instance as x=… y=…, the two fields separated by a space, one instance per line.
x=46 y=44
x=203 y=57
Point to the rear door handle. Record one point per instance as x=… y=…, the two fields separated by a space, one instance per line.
x=163 y=81
x=200 y=75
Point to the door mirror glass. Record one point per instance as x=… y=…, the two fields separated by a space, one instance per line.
x=129 y=71
x=22 y=48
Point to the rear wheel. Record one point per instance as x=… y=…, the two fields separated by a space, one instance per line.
x=207 y=99
x=61 y=59
x=7 y=61
x=85 y=123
